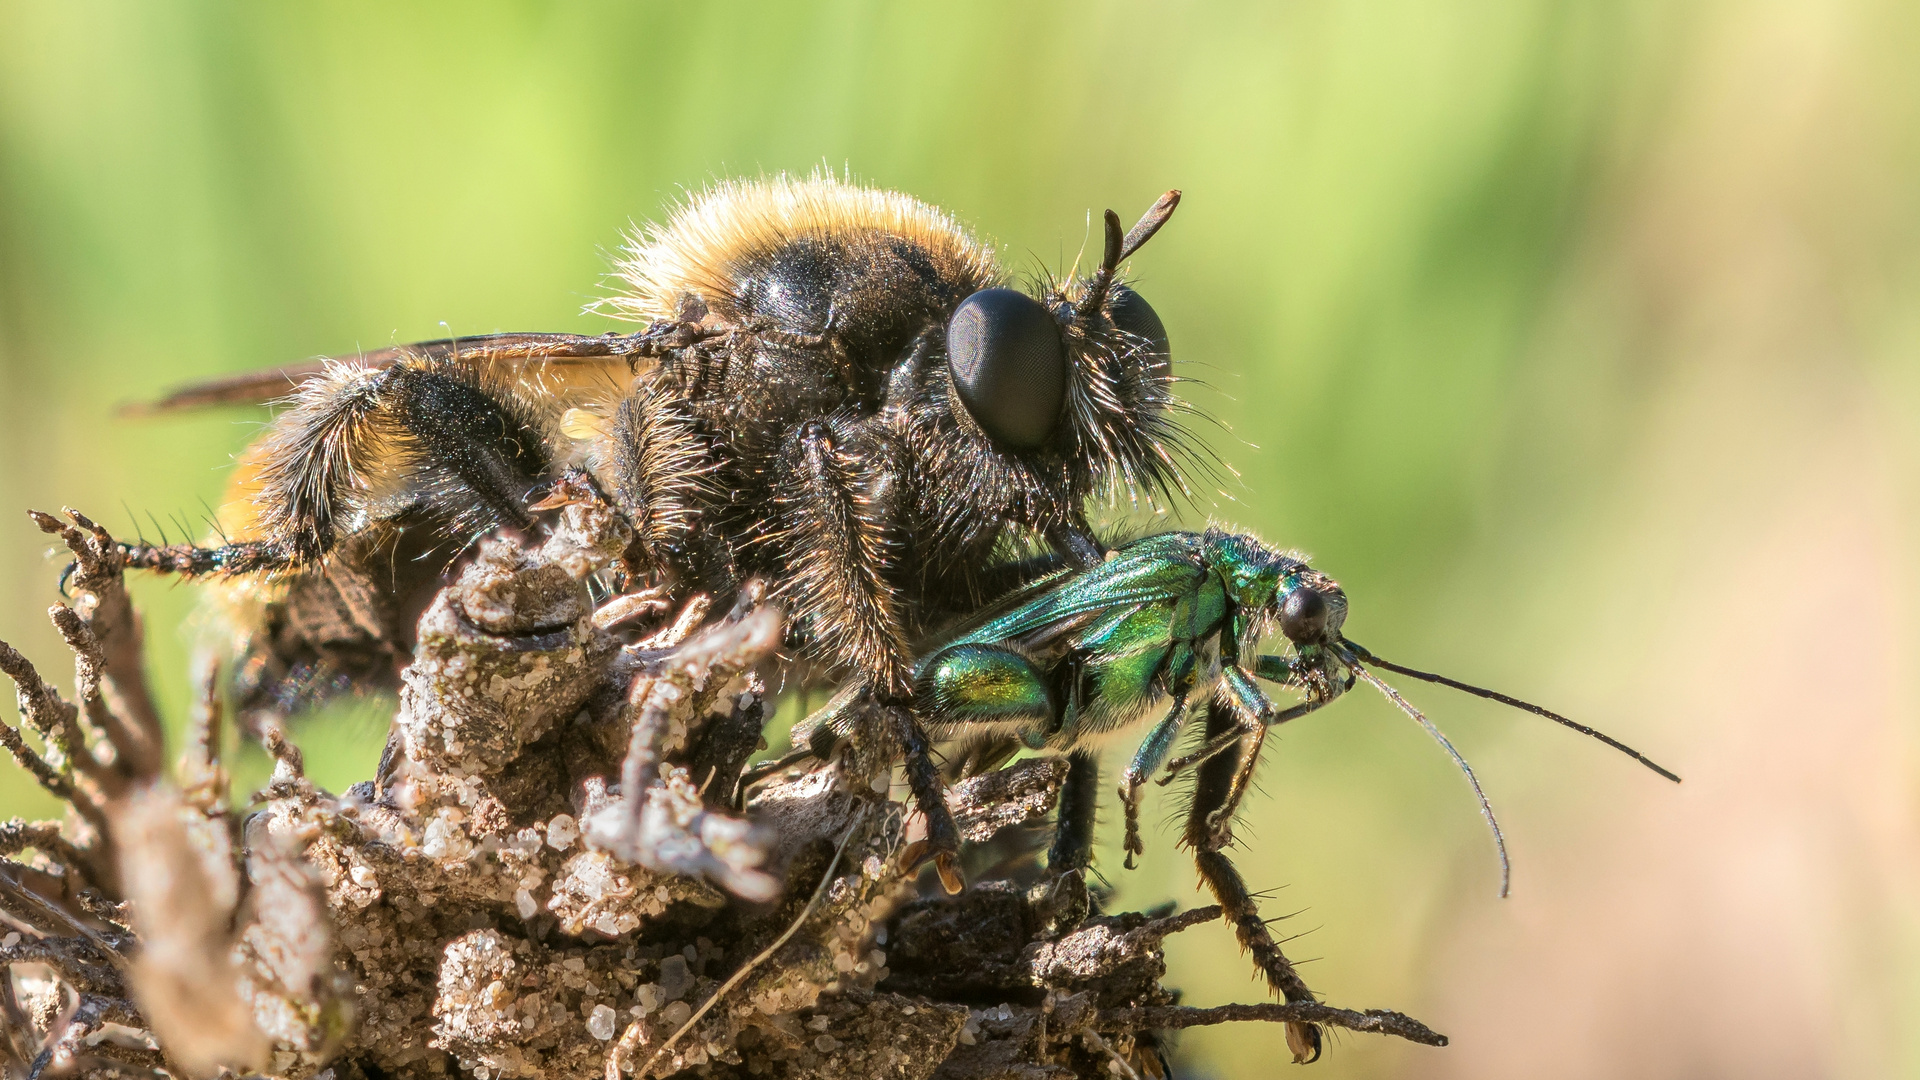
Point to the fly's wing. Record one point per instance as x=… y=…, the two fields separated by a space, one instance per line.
x=966 y=628
x=1157 y=568
x=258 y=387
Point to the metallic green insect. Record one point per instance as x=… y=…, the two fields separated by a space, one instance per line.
x=1168 y=626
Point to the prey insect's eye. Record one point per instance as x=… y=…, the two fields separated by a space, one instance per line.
x=1303 y=618
x=1134 y=317
x=1009 y=364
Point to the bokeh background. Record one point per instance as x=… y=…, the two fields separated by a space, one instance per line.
x=1577 y=340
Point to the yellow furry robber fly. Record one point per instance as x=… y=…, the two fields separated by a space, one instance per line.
x=835 y=388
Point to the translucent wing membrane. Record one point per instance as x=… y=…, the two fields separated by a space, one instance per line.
x=258 y=387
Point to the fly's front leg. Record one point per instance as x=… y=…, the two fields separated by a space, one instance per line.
x=930 y=796
x=1216 y=790
x=993 y=688
x=837 y=509
x=837 y=517
x=1077 y=544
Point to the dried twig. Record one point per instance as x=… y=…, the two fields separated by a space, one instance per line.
x=553 y=845
x=102 y=603
x=1173 y=1017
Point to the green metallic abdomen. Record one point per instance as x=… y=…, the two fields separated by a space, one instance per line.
x=981 y=684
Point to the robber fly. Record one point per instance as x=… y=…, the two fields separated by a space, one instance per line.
x=835 y=388
x=1168 y=627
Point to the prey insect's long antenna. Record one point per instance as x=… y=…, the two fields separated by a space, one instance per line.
x=1486 y=807
x=1525 y=706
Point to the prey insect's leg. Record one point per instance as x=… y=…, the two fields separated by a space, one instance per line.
x=1277 y=669
x=1153 y=750
x=1259 y=716
x=1216 y=789
x=1073 y=836
x=1256 y=714
x=1299 y=675
x=1240 y=910
x=1182 y=672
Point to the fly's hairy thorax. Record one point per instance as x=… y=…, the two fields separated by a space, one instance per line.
x=836 y=288
x=834 y=314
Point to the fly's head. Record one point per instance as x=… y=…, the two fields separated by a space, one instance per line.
x=1067 y=391
x=1310 y=608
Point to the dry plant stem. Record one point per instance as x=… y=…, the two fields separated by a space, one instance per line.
x=42 y=710
x=101 y=601
x=15 y=1029
x=1117 y=1063
x=30 y=760
x=203 y=780
x=48 y=918
x=89 y=664
x=44 y=835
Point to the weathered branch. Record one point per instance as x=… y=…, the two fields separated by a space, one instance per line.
x=1174 y=1017
x=42 y=710
x=101 y=601
x=559 y=848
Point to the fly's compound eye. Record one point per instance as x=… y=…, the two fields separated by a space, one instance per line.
x=1010 y=366
x=1303 y=618
x=1145 y=336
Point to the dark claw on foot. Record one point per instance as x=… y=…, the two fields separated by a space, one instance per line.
x=1304 y=1041
x=948 y=868
x=916 y=854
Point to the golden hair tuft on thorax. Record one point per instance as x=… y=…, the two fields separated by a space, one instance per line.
x=700 y=250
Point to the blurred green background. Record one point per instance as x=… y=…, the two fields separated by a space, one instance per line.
x=1577 y=340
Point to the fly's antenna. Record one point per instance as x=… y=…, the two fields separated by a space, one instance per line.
x=1120 y=245
x=1103 y=277
x=1486 y=807
x=1524 y=706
